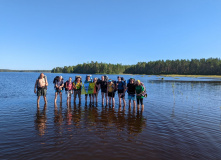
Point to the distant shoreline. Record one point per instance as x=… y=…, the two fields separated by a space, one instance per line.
x=163 y=75
x=9 y=70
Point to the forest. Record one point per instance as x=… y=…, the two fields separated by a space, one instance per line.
x=210 y=66
x=9 y=70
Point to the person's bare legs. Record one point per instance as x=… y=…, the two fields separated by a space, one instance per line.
x=55 y=98
x=134 y=103
x=124 y=101
x=113 y=102
x=45 y=99
x=38 y=100
x=60 y=96
x=119 y=95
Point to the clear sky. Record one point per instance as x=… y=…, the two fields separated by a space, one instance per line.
x=43 y=34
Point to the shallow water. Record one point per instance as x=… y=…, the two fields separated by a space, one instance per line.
x=181 y=120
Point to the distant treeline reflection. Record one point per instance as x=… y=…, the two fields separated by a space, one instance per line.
x=210 y=66
x=91 y=119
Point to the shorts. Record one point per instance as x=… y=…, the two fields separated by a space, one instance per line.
x=58 y=90
x=131 y=97
x=77 y=92
x=69 y=93
x=104 y=90
x=120 y=91
x=111 y=94
x=88 y=94
x=139 y=101
x=41 y=92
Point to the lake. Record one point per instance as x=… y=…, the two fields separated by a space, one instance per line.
x=181 y=120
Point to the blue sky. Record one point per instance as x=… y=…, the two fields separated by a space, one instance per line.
x=43 y=34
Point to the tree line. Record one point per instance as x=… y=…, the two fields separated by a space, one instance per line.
x=210 y=66
x=9 y=70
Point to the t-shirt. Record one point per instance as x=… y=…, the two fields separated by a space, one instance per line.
x=131 y=88
x=77 y=85
x=120 y=85
x=139 y=89
x=110 y=87
x=69 y=85
x=103 y=86
x=59 y=83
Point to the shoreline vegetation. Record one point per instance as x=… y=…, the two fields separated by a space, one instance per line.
x=195 y=67
x=9 y=70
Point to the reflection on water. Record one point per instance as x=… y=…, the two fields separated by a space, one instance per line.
x=40 y=121
x=90 y=117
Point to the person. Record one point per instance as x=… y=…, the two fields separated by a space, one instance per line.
x=69 y=89
x=88 y=80
x=41 y=85
x=77 y=89
x=58 y=89
x=139 y=89
x=103 y=86
x=131 y=92
x=121 y=88
x=96 y=88
x=110 y=88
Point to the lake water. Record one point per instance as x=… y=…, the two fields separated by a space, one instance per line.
x=181 y=120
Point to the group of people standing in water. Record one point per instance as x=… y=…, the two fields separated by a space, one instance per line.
x=135 y=89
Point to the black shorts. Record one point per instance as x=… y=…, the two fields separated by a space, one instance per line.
x=140 y=101
x=111 y=94
x=88 y=94
x=120 y=91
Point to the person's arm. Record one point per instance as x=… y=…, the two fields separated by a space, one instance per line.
x=46 y=82
x=73 y=85
x=35 y=86
x=56 y=84
x=125 y=88
x=62 y=85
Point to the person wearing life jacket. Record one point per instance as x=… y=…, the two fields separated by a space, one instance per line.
x=131 y=92
x=88 y=80
x=77 y=84
x=110 y=88
x=103 y=86
x=69 y=89
x=139 y=90
x=96 y=88
x=41 y=85
x=121 y=88
x=59 y=84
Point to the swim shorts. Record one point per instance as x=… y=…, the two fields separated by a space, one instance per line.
x=131 y=97
x=111 y=94
x=41 y=92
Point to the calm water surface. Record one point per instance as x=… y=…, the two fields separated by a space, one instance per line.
x=181 y=120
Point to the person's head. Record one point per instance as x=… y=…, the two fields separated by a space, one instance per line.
x=70 y=79
x=78 y=79
x=131 y=80
x=109 y=81
x=41 y=75
x=60 y=78
x=88 y=78
x=102 y=78
x=95 y=79
x=138 y=82
x=119 y=78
